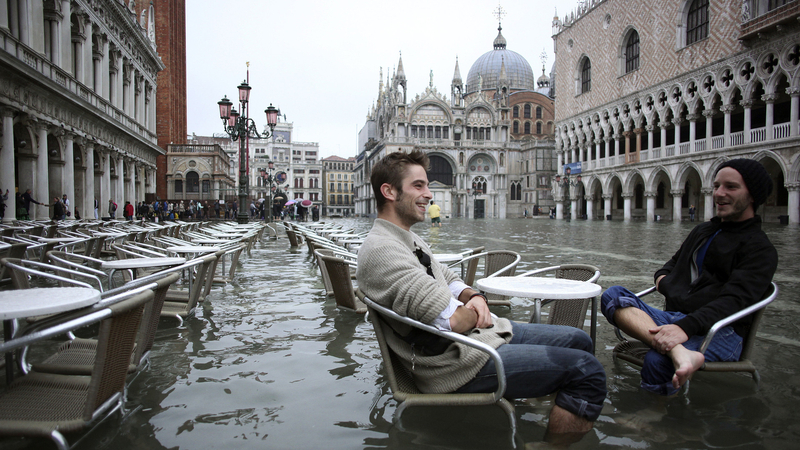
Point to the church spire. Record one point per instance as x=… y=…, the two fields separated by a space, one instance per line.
x=401 y=74
x=457 y=74
x=499 y=41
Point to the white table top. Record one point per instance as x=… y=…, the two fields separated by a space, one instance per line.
x=18 y=303
x=211 y=241
x=192 y=249
x=539 y=287
x=448 y=257
x=139 y=263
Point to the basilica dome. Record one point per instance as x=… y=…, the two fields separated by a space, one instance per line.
x=518 y=71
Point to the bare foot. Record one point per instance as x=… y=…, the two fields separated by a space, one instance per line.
x=686 y=363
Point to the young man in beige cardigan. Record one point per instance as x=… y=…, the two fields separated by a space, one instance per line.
x=396 y=269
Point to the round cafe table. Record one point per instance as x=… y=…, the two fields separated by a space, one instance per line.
x=544 y=288
x=19 y=303
x=448 y=257
x=138 y=263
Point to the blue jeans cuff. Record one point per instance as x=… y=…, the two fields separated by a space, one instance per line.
x=665 y=389
x=580 y=408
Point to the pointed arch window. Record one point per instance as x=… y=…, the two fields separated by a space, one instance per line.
x=632 y=52
x=586 y=75
x=697 y=22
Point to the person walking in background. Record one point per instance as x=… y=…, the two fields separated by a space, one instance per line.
x=112 y=208
x=435 y=211
x=27 y=199
x=58 y=209
x=3 y=199
x=96 y=209
x=692 y=212
x=65 y=201
x=128 y=211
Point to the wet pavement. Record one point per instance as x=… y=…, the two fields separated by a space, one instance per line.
x=269 y=361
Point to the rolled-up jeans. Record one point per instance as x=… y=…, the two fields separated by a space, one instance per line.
x=542 y=359
x=658 y=369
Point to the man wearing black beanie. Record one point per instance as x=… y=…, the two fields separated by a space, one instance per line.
x=723 y=266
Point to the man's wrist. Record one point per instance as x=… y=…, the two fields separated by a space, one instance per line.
x=479 y=294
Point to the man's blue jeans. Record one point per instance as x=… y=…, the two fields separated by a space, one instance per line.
x=542 y=359
x=658 y=369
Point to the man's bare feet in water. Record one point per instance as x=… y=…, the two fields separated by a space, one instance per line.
x=686 y=363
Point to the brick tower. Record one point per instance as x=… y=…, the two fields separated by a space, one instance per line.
x=171 y=92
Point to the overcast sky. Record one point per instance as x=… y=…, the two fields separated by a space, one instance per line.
x=319 y=61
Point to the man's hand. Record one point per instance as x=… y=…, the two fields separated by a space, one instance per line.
x=666 y=337
x=478 y=304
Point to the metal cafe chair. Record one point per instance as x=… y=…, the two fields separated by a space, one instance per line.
x=401 y=380
x=496 y=263
x=633 y=351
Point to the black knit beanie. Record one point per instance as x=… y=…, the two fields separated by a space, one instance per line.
x=755 y=177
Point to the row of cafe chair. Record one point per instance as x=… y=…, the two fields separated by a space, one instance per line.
x=336 y=266
x=81 y=363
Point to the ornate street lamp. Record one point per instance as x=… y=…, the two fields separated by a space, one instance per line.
x=240 y=127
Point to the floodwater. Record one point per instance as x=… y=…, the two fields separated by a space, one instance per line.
x=269 y=362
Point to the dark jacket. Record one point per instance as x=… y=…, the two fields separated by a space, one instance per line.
x=737 y=271
x=58 y=210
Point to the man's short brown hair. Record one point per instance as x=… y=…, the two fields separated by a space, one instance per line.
x=391 y=169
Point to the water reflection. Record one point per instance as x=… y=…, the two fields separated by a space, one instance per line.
x=270 y=362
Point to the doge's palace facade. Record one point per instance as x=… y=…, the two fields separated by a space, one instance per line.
x=77 y=101
x=652 y=97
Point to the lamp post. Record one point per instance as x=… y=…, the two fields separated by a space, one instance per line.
x=269 y=182
x=240 y=127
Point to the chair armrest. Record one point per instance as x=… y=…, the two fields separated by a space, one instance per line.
x=647 y=291
x=736 y=316
x=453 y=336
x=538 y=271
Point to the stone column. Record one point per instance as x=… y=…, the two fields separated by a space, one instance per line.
x=42 y=171
x=747 y=105
x=795 y=111
x=596 y=150
x=649 y=129
x=794 y=202
x=708 y=204
x=626 y=205
x=607 y=204
x=119 y=188
x=559 y=209
x=663 y=127
x=560 y=163
x=692 y=130
x=66 y=35
x=68 y=174
x=97 y=68
x=677 y=204
x=105 y=182
x=677 y=121
x=769 y=99
x=573 y=208
x=709 y=115
x=607 y=140
x=88 y=194
x=5 y=25
x=131 y=191
x=88 y=42
x=617 y=139
x=627 y=134
x=104 y=68
x=727 y=110
x=7 y=175
x=590 y=208
x=650 y=199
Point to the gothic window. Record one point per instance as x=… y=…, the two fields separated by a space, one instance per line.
x=502 y=159
x=538 y=127
x=440 y=171
x=206 y=186
x=516 y=127
x=192 y=182
x=776 y=3
x=527 y=128
x=632 y=52
x=178 y=186
x=519 y=191
x=697 y=22
x=538 y=112
x=527 y=112
x=513 y=191
x=461 y=158
x=516 y=112
x=586 y=75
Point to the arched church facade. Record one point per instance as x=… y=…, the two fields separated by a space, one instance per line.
x=483 y=156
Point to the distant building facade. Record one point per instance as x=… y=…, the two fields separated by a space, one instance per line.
x=490 y=144
x=77 y=100
x=652 y=97
x=197 y=172
x=338 y=186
